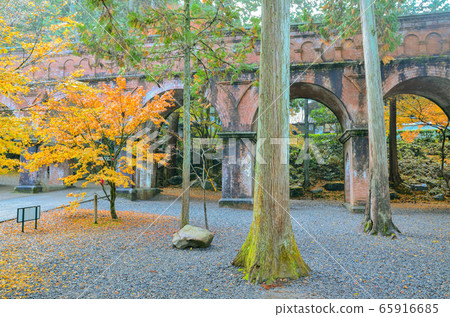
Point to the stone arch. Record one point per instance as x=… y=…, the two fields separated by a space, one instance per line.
x=325 y=97
x=177 y=87
x=172 y=85
x=163 y=87
x=331 y=101
x=8 y=102
x=434 y=88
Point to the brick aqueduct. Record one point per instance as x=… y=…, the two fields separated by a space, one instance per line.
x=331 y=75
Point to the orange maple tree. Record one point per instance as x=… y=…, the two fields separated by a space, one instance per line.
x=95 y=129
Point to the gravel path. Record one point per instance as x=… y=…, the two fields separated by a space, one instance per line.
x=345 y=262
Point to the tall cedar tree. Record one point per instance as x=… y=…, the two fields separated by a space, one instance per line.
x=270 y=251
x=378 y=216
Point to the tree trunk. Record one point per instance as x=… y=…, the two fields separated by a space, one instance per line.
x=112 y=200
x=306 y=182
x=270 y=251
x=186 y=117
x=172 y=145
x=394 y=174
x=444 y=138
x=378 y=216
x=204 y=207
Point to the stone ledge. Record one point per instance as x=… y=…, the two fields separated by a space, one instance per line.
x=52 y=188
x=30 y=189
x=354 y=209
x=350 y=133
x=237 y=135
x=138 y=193
x=147 y=193
x=129 y=193
x=238 y=203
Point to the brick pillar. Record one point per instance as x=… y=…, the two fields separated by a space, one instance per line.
x=29 y=182
x=128 y=192
x=356 y=166
x=54 y=173
x=238 y=168
x=146 y=186
x=144 y=179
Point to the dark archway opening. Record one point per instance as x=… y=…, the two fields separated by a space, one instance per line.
x=205 y=126
x=417 y=122
x=317 y=120
x=315 y=150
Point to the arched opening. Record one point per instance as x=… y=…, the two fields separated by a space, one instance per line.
x=317 y=120
x=436 y=89
x=163 y=139
x=205 y=125
x=416 y=112
x=325 y=97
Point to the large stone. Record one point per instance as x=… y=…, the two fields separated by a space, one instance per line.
x=296 y=192
x=439 y=197
x=175 y=180
x=334 y=187
x=317 y=191
x=394 y=195
x=238 y=203
x=419 y=187
x=192 y=237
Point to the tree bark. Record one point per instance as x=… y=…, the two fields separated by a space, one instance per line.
x=444 y=138
x=112 y=200
x=186 y=117
x=172 y=145
x=394 y=174
x=204 y=208
x=378 y=216
x=270 y=251
x=306 y=181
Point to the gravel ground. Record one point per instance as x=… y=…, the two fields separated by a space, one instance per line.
x=345 y=263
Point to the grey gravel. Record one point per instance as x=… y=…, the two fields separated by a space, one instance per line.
x=345 y=262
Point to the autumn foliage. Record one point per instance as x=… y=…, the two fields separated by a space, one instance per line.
x=25 y=41
x=95 y=130
x=419 y=112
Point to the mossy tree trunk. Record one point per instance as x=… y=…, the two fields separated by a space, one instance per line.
x=378 y=216
x=394 y=174
x=270 y=251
